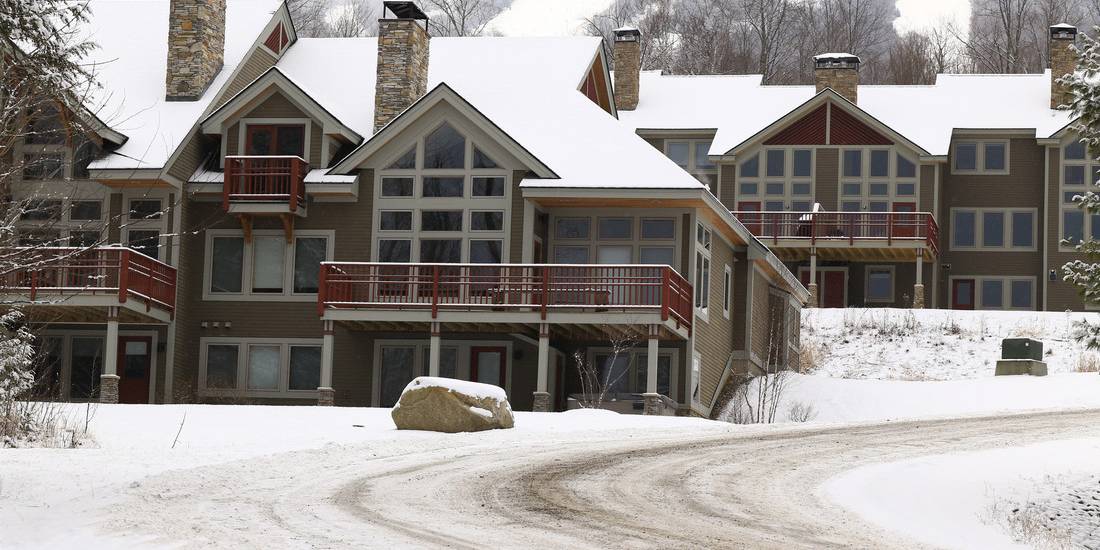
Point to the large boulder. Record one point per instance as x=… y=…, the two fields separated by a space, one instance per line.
x=447 y=405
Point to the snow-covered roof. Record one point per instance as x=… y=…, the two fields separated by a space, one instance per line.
x=526 y=86
x=130 y=63
x=739 y=106
x=835 y=55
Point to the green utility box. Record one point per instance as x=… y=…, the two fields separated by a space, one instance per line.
x=1021 y=348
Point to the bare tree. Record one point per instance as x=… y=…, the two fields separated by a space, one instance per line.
x=768 y=22
x=350 y=19
x=461 y=17
x=910 y=60
x=598 y=380
x=309 y=16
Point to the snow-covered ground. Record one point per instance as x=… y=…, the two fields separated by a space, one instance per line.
x=933 y=344
x=966 y=500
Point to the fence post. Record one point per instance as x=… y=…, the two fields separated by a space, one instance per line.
x=435 y=291
x=226 y=183
x=295 y=181
x=322 y=290
x=34 y=284
x=665 y=292
x=123 y=274
x=545 y=289
x=813 y=229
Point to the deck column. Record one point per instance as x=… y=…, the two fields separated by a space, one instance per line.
x=326 y=396
x=653 y=403
x=918 y=286
x=542 y=396
x=108 y=381
x=812 y=287
x=433 y=351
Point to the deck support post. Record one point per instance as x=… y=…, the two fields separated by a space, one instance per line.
x=653 y=403
x=108 y=381
x=812 y=287
x=918 y=286
x=541 y=401
x=326 y=396
x=433 y=350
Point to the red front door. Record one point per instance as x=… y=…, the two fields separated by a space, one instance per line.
x=833 y=288
x=962 y=294
x=905 y=223
x=134 y=364
x=488 y=365
x=751 y=221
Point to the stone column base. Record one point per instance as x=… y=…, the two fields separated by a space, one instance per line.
x=541 y=403
x=918 y=296
x=812 y=287
x=654 y=405
x=108 y=388
x=326 y=397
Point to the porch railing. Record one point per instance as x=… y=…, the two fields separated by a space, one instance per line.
x=885 y=227
x=265 y=179
x=92 y=271
x=525 y=287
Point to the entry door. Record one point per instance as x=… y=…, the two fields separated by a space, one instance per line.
x=751 y=221
x=905 y=223
x=272 y=139
x=134 y=364
x=613 y=255
x=488 y=365
x=962 y=294
x=833 y=288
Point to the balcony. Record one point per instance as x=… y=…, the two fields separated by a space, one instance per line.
x=265 y=186
x=591 y=299
x=895 y=236
x=78 y=285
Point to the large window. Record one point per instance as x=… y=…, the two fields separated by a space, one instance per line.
x=267 y=267
x=880 y=283
x=614 y=239
x=56 y=222
x=980 y=157
x=1079 y=175
x=628 y=371
x=703 y=238
x=399 y=361
x=994 y=292
x=275 y=139
x=877 y=179
x=996 y=229
x=260 y=367
x=785 y=183
x=693 y=155
x=443 y=199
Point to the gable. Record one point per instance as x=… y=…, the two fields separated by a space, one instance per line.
x=845 y=129
x=809 y=130
x=595 y=85
x=828 y=124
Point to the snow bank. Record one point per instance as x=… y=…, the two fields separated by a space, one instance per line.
x=947 y=500
x=472 y=389
x=846 y=400
x=932 y=344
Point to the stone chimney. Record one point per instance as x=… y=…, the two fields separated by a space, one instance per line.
x=628 y=67
x=196 y=47
x=839 y=71
x=1063 y=60
x=402 y=60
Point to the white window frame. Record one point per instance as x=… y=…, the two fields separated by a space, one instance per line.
x=1006 y=290
x=979 y=229
x=891 y=179
x=423 y=347
x=1091 y=166
x=64 y=225
x=979 y=157
x=703 y=174
x=788 y=198
x=703 y=264
x=727 y=289
x=636 y=242
x=867 y=283
x=242 y=134
x=242 y=390
x=246 y=294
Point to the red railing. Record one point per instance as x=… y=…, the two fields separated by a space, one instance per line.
x=530 y=287
x=103 y=270
x=265 y=179
x=843 y=226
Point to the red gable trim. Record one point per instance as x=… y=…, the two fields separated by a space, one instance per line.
x=808 y=130
x=276 y=40
x=845 y=129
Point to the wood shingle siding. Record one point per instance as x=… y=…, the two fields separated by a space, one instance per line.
x=714 y=336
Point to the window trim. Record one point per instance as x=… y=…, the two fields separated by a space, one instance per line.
x=701 y=300
x=788 y=180
x=700 y=173
x=635 y=355
x=246 y=294
x=979 y=157
x=727 y=290
x=422 y=346
x=1008 y=228
x=243 y=343
x=867 y=284
x=1086 y=223
x=242 y=134
x=1006 y=290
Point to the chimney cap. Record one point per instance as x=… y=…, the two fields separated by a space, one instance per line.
x=403 y=10
x=627 y=34
x=836 y=60
x=1063 y=31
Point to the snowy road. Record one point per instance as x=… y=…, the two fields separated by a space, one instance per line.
x=750 y=490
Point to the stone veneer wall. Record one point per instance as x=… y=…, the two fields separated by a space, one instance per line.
x=843 y=81
x=628 y=66
x=196 y=42
x=402 y=68
x=1062 y=62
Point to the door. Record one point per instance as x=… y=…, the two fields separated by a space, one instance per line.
x=488 y=365
x=832 y=288
x=905 y=221
x=134 y=363
x=877 y=220
x=272 y=139
x=962 y=294
x=613 y=292
x=751 y=221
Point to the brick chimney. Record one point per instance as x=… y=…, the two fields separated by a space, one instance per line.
x=628 y=67
x=196 y=47
x=1063 y=60
x=402 y=60
x=839 y=71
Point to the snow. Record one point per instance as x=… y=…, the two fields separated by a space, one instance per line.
x=542 y=18
x=476 y=390
x=739 y=106
x=130 y=63
x=526 y=86
x=933 y=344
x=53 y=497
x=835 y=55
x=948 y=500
